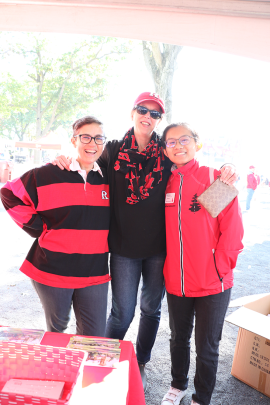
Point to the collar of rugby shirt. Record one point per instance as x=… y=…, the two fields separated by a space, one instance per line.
x=75 y=167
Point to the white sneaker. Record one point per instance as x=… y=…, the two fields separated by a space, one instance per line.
x=173 y=397
x=194 y=403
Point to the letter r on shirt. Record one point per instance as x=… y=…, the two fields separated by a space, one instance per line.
x=104 y=195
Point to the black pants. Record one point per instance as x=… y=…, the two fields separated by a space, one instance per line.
x=209 y=312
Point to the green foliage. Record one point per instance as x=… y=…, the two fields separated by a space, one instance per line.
x=55 y=80
x=16 y=109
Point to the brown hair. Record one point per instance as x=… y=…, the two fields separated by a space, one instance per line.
x=85 y=121
x=180 y=124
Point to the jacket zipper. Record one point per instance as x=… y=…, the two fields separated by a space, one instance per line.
x=180 y=235
x=220 y=278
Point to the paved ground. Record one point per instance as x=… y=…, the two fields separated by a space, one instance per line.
x=19 y=305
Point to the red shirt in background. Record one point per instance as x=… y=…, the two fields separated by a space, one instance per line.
x=252 y=181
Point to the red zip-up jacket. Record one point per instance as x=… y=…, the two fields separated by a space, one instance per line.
x=201 y=251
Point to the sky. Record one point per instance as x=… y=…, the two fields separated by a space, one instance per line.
x=221 y=95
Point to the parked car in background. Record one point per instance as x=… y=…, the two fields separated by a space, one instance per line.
x=20 y=157
x=46 y=159
x=4 y=156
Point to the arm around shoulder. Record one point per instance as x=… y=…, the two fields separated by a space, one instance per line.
x=103 y=161
x=109 y=153
x=62 y=162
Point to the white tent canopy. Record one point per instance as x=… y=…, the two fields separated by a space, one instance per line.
x=234 y=26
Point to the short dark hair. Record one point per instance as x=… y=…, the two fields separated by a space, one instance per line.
x=180 y=124
x=85 y=121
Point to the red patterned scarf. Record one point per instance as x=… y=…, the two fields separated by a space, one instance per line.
x=143 y=170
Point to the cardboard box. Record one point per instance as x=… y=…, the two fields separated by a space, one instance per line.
x=251 y=362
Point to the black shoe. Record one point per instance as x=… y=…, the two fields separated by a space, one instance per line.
x=143 y=375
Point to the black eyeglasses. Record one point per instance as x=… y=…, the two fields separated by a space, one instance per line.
x=183 y=140
x=98 y=139
x=156 y=115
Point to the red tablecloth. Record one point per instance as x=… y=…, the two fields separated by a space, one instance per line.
x=91 y=375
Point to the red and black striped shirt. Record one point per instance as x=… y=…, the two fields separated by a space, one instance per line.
x=69 y=219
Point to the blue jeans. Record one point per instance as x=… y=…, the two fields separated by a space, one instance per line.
x=250 y=193
x=209 y=312
x=89 y=304
x=126 y=274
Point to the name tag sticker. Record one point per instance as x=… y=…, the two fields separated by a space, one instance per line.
x=169 y=198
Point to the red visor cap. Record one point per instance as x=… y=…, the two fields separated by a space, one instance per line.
x=147 y=96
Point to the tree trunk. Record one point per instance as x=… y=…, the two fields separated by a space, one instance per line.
x=39 y=80
x=160 y=60
x=53 y=114
x=37 y=152
x=39 y=112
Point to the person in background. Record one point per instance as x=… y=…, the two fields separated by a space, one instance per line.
x=201 y=254
x=252 y=184
x=68 y=214
x=258 y=178
x=138 y=172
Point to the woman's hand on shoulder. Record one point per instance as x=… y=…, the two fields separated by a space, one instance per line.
x=228 y=174
x=62 y=162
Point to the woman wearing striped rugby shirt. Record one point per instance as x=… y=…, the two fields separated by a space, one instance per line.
x=68 y=214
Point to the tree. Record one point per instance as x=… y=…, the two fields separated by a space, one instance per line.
x=16 y=110
x=195 y=206
x=17 y=123
x=160 y=60
x=57 y=83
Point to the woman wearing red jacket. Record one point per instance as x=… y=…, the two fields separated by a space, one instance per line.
x=201 y=255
